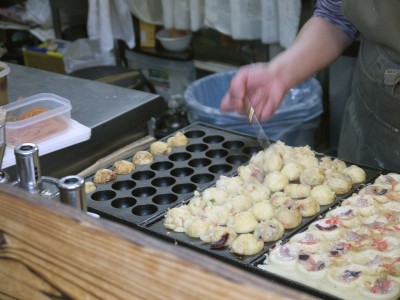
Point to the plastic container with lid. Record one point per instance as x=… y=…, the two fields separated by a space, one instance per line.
x=36 y=118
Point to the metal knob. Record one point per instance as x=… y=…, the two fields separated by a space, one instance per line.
x=72 y=192
x=28 y=167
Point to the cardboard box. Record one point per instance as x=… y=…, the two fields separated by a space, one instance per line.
x=47 y=56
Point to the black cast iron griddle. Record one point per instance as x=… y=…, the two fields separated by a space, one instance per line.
x=141 y=199
x=172 y=179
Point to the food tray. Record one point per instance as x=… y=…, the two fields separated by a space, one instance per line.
x=158 y=228
x=170 y=180
x=36 y=118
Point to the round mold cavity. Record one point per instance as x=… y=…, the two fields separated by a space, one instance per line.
x=233 y=145
x=237 y=159
x=165 y=199
x=123 y=185
x=220 y=169
x=202 y=178
x=182 y=172
x=199 y=162
x=180 y=156
x=184 y=188
x=103 y=195
x=213 y=139
x=162 y=165
x=217 y=153
x=124 y=202
x=143 y=175
x=163 y=181
x=144 y=210
x=144 y=192
x=197 y=148
x=251 y=150
x=194 y=134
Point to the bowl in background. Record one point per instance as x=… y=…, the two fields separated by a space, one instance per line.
x=174 y=40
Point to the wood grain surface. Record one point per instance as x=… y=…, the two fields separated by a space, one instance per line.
x=52 y=251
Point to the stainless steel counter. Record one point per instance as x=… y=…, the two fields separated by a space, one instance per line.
x=117 y=116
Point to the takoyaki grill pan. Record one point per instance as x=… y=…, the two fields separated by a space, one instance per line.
x=169 y=180
x=181 y=238
x=142 y=198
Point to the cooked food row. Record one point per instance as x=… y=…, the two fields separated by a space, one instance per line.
x=277 y=189
x=143 y=157
x=353 y=252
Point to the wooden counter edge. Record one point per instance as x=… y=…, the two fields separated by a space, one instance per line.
x=52 y=251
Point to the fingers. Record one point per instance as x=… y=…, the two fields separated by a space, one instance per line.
x=233 y=98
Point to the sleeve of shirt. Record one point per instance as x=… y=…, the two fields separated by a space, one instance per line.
x=330 y=11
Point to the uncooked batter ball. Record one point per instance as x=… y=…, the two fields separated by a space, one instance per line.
x=142 y=158
x=123 y=167
x=104 y=176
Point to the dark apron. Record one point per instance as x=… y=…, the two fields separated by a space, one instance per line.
x=370 y=132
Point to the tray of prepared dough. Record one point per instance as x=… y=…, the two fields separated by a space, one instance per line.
x=148 y=182
x=353 y=252
x=281 y=190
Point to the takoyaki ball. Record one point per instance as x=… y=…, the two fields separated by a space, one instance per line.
x=196 y=204
x=196 y=227
x=338 y=182
x=297 y=191
x=307 y=207
x=247 y=244
x=243 y=222
x=276 y=181
x=219 y=236
x=250 y=173
x=312 y=176
x=239 y=203
x=160 y=148
x=303 y=151
x=323 y=194
x=307 y=161
x=257 y=191
x=286 y=152
x=289 y=218
x=269 y=230
x=104 y=176
x=216 y=214
x=123 y=167
x=214 y=194
x=90 y=187
x=233 y=185
x=325 y=162
x=280 y=199
x=176 y=217
x=258 y=159
x=356 y=174
x=179 y=139
x=142 y=158
x=272 y=160
x=292 y=170
x=338 y=165
x=263 y=210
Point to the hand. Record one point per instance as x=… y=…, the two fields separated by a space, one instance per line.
x=262 y=84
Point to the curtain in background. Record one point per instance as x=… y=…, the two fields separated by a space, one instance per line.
x=271 y=21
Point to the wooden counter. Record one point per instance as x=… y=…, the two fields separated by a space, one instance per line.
x=52 y=251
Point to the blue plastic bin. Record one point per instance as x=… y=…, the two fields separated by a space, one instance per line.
x=294 y=122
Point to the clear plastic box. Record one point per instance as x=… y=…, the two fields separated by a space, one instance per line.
x=36 y=118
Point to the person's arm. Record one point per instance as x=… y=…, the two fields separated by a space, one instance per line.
x=318 y=43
